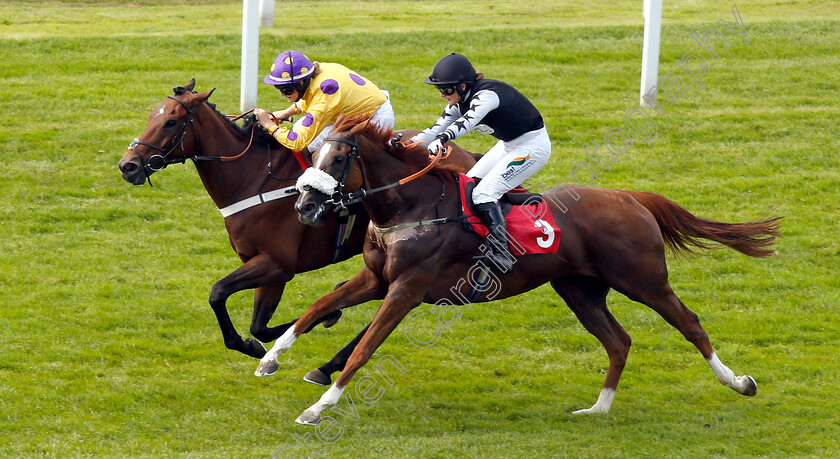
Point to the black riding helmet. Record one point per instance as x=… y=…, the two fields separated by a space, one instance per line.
x=452 y=70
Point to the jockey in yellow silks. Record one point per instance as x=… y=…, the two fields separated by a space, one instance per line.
x=319 y=92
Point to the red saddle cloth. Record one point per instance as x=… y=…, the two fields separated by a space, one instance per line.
x=531 y=227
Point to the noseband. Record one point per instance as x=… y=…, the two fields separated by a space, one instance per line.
x=316 y=179
x=342 y=200
x=159 y=162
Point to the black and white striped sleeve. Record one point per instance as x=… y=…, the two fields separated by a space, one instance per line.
x=481 y=104
x=450 y=114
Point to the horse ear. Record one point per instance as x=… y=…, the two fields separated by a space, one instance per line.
x=185 y=88
x=202 y=96
x=360 y=127
x=339 y=119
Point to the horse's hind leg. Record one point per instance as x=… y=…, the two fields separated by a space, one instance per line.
x=322 y=374
x=675 y=312
x=586 y=297
x=660 y=297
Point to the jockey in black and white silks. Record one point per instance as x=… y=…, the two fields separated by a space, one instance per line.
x=494 y=108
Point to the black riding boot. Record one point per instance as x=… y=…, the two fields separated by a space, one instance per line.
x=497 y=241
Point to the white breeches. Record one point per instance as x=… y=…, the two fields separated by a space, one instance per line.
x=508 y=164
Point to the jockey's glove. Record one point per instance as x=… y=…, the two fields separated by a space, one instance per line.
x=436 y=146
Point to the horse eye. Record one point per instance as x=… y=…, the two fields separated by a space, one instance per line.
x=339 y=159
x=171 y=123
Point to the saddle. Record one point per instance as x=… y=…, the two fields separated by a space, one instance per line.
x=515 y=197
x=531 y=229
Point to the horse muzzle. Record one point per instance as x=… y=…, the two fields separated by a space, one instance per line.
x=311 y=208
x=132 y=170
x=311 y=213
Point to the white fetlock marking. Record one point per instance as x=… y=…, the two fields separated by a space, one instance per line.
x=723 y=373
x=283 y=344
x=605 y=399
x=744 y=385
x=328 y=400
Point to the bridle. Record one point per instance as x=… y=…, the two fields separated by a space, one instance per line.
x=158 y=162
x=342 y=200
x=338 y=197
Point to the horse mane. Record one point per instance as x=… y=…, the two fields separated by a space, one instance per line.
x=416 y=155
x=261 y=136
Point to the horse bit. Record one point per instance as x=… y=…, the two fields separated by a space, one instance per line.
x=163 y=159
x=342 y=200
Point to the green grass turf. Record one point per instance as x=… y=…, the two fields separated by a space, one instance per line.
x=107 y=344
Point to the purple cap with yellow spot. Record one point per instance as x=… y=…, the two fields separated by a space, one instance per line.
x=289 y=67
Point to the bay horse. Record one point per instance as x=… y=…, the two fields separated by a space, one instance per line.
x=250 y=178
x=611 y=239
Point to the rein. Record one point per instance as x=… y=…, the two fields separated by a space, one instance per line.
x=165 y=151
x=343 y=200
x=160 y=161
x=250 y=142
x=150 y=167
x=432 y=222
x=229 y=158
x=236 y=117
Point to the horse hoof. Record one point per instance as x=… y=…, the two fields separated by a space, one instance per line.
x=267 y=368
x=592 y=410
x=332 y=318
x=254 y=348
x=308 y=418
x=751 y=388
x=318 y=377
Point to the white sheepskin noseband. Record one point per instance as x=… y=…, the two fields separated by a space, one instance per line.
x=317 y=179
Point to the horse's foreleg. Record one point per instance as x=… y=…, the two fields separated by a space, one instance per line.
x=397 y=304
x=587 y=299
x=312 y=415
x=266 y=299
x=364 y=286
x=258 y=271
x=321 y=375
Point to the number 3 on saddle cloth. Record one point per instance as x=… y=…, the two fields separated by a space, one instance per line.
x=530 y=225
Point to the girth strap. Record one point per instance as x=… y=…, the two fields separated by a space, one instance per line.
x=436 y=221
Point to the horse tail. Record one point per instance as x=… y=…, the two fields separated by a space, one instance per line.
x=682 y=231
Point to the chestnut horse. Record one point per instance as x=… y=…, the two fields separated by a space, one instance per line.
x=611 y=239
x=250 y=178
